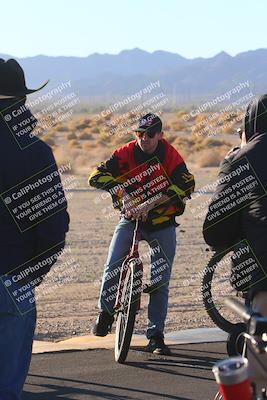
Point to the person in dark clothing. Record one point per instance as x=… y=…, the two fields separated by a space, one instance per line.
x=32 y=232
x=148 y=180
x=237 y=214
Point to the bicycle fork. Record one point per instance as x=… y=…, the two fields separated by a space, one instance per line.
x=133 y=256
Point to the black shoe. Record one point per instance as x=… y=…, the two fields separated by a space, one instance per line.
x=103 y=324
x=157 y=346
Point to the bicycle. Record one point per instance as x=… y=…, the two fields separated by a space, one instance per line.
x=128 y=299
x=233 y=374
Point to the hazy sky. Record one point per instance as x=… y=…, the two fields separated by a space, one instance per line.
x=81 y=27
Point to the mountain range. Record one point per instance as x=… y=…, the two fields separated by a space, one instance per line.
x=109 y=76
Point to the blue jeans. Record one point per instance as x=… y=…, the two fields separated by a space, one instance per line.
x=162 y=245
x=16 y=337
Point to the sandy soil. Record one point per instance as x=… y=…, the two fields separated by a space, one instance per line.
x=70 y=308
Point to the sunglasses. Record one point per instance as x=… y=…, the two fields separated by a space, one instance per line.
x=149 y=134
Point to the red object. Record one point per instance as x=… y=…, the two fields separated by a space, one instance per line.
x=239 y=391
x=129 y=167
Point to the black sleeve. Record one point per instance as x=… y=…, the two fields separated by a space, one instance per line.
x=49 y=235
x=223 y=224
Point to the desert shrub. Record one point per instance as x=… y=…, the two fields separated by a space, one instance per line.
x=71 y=136
x=184 y=145
x=202 y=143
x=181 y=114
x=121 y=138
x=74 y=143
x=95 y=129
x=60 y=127
x=101 y=142
x=211 y=142
x=82 y=123
x=171 y=137
x=229 y=129
x=178 y=125
x=201 y=117
x=209 y=158
x=85 y=136
x=51 y=132
x=49 y=140
x=166 y=127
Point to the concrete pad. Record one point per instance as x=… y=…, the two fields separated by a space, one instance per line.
x=90 y=342
x=199 y=335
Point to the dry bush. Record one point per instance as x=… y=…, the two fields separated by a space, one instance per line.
x=74 y=143
x=181 y=114
x=82 y=123
x=108 y=117
x=196 y=128
x=102 y=142
x=211 y=142
x=202 y=122
x=166 y=127
x=95 y=129
x=184 y=142
x=202 y=143
x=184 y=145
x=178 y=125
x=60 y=127
x=171 y=137
x=52 y=131
x=209 y=158
x=85 y=136
x=47 y=139
x=229 y=129
x=201 y=117
x=122 y=138
x=71 y=136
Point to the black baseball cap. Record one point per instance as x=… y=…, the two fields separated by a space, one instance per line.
x=149 y=123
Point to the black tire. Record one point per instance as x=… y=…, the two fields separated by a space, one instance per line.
x=126 y=315
x=212 y=298
x=235 y=340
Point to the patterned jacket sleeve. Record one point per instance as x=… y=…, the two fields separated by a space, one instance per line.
x=182 y=181
x=104 y=176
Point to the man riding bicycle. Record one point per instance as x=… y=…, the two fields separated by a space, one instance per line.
x=243 y=180
x=148 y=180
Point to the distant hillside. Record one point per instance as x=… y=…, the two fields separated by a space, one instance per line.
x=108 y=76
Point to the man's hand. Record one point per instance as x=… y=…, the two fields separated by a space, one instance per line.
x=140 y=211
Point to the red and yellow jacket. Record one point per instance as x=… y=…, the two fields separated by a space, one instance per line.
x=144 y=176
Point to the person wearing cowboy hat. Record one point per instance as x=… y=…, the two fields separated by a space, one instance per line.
x=29 y=244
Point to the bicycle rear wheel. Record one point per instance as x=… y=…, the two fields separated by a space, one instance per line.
x=126 y=314
x=216 y=287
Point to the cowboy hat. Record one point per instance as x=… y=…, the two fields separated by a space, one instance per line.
x=12 y=80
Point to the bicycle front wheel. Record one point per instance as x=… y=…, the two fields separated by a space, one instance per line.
x=126 y=314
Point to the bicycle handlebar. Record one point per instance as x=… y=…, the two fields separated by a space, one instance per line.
x=241 y=310
x=256 y=323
